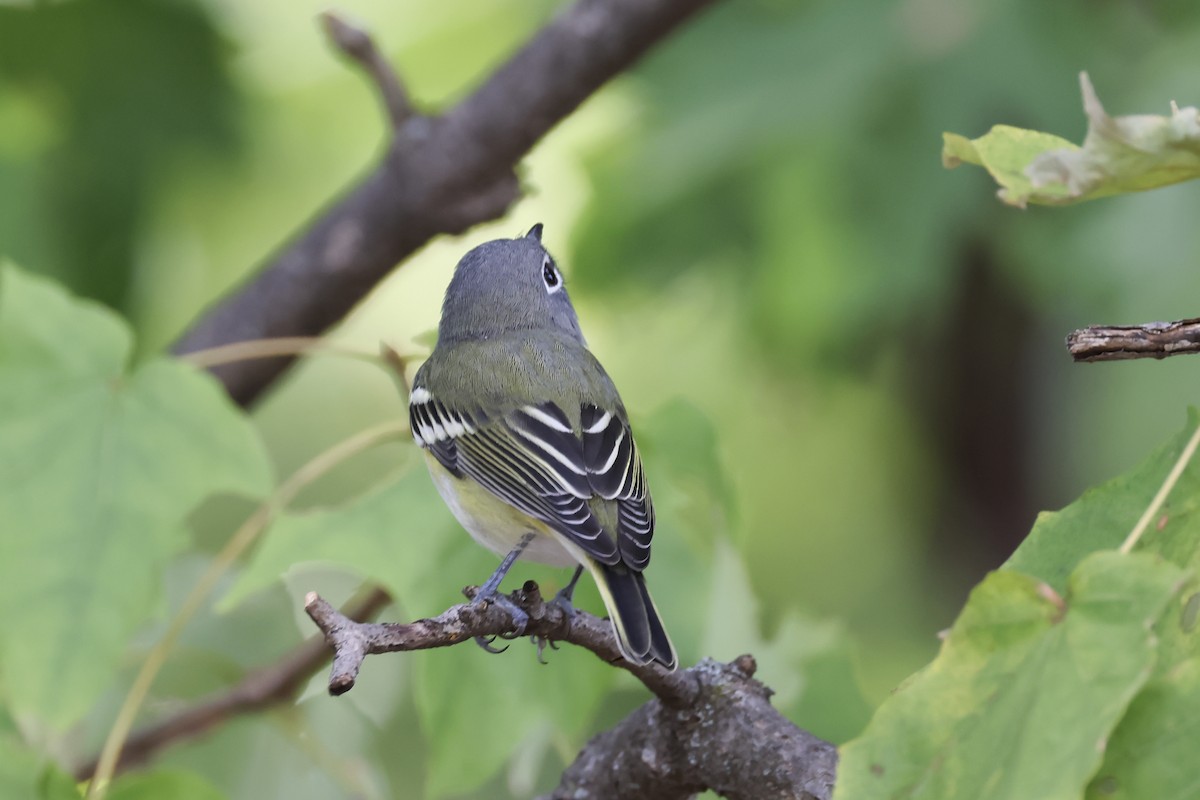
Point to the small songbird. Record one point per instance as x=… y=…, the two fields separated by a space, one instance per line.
x=528 y=442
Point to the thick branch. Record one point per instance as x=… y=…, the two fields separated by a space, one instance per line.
x=729 y=740
x=272 y=685
x=710 y=727
x=440 y=175
x=1119 y=343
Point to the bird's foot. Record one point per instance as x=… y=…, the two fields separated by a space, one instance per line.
x=563 y=598
x=542 y=642
x=486 y=643
x=520 y=619
x=490 y=593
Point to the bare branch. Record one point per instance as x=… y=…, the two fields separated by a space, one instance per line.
x=353 y=641
x=356 y=43
x=440 y=174
x=710 y=727
x=272 y=685
x=1150 y=340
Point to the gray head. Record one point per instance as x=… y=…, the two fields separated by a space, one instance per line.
x=507 y=285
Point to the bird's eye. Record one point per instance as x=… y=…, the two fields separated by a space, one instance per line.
x=550 y=274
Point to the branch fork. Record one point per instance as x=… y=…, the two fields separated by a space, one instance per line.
x=709 y=727
x=440 y=174
x=355 y=42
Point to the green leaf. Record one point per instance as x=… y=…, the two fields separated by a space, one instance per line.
x=1025 y=692
x=1119 y=154
x=487 y=705
x=807 y=663
x=99 y=465
x=1153 y=751
x=465 y=696
x=1141 y=760
x=679 y=443
x=25 y=774
x=1150 y=751
x=1104 y=516
x=393 y=535
x=20 y=770
x=160 y=785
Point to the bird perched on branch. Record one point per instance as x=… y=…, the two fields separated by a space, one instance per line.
x=528 y=442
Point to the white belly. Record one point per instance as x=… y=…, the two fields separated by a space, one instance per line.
x=495 y=524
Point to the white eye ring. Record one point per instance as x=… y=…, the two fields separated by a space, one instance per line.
x=550 y=276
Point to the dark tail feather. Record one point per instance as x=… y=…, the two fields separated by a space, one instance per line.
x=639 y=630
x=661 y=648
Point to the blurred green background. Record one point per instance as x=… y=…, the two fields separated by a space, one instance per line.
x=847 y=363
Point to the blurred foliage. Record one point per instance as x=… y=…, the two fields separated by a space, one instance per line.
x=106 y=95
x=845 y=364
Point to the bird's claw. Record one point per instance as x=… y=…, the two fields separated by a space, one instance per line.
x=520 y=619
x=542 y=642
x=486 y=644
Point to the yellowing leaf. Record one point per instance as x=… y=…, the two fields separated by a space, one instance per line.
x=1119 y=154
x=1005 y=152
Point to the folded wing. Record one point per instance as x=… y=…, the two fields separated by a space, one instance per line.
x=533 y=459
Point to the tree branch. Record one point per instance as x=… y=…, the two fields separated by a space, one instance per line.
x=729 y=740
x=356 y=43
x=440 y=174
x=353 y=641
x=710 y=727
x=272 y=685
x=1150 y=340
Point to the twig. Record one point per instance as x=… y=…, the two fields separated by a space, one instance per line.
x=273 y=348
x=1119 y=343
x=709 y=727
x=272 y=685
x=356 y=43
x=353 y=641
x=440 y=174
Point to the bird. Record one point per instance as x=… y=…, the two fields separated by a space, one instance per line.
x=529 y=444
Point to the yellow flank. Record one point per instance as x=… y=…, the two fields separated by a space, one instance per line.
x=495 y=524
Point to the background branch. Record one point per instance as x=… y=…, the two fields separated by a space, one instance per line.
x=357 y=43
x=440 y=174
x=275 y=684
x=709 y=727
x=1149 y=340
